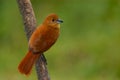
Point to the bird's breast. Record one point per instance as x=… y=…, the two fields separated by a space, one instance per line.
x=50 y=38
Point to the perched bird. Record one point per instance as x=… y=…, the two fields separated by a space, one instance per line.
x=40 y=41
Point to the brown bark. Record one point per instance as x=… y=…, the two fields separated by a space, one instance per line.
x=29 y=20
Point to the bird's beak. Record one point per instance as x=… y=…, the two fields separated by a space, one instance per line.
x=59 y=21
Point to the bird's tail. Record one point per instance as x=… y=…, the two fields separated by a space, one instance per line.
x=27 y=63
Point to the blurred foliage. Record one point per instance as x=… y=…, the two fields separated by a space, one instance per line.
x=88 y=47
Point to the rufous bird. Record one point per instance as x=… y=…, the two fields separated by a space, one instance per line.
x=40 y=41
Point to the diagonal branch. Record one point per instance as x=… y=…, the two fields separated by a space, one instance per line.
x=29 y=20
x=28 y=16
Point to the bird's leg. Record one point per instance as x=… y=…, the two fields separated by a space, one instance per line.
x=43 y=58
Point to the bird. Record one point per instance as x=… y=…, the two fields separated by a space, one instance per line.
x=40 y=41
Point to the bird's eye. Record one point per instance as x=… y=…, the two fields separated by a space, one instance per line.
x=53 y=20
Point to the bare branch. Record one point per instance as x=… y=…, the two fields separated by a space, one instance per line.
x=30 y=25
x=28 y=16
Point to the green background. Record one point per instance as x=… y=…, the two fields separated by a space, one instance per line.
x=87 y=49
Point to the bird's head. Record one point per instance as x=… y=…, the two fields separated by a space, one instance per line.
x=52 y=20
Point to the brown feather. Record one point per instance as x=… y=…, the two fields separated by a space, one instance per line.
x=27 y=63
